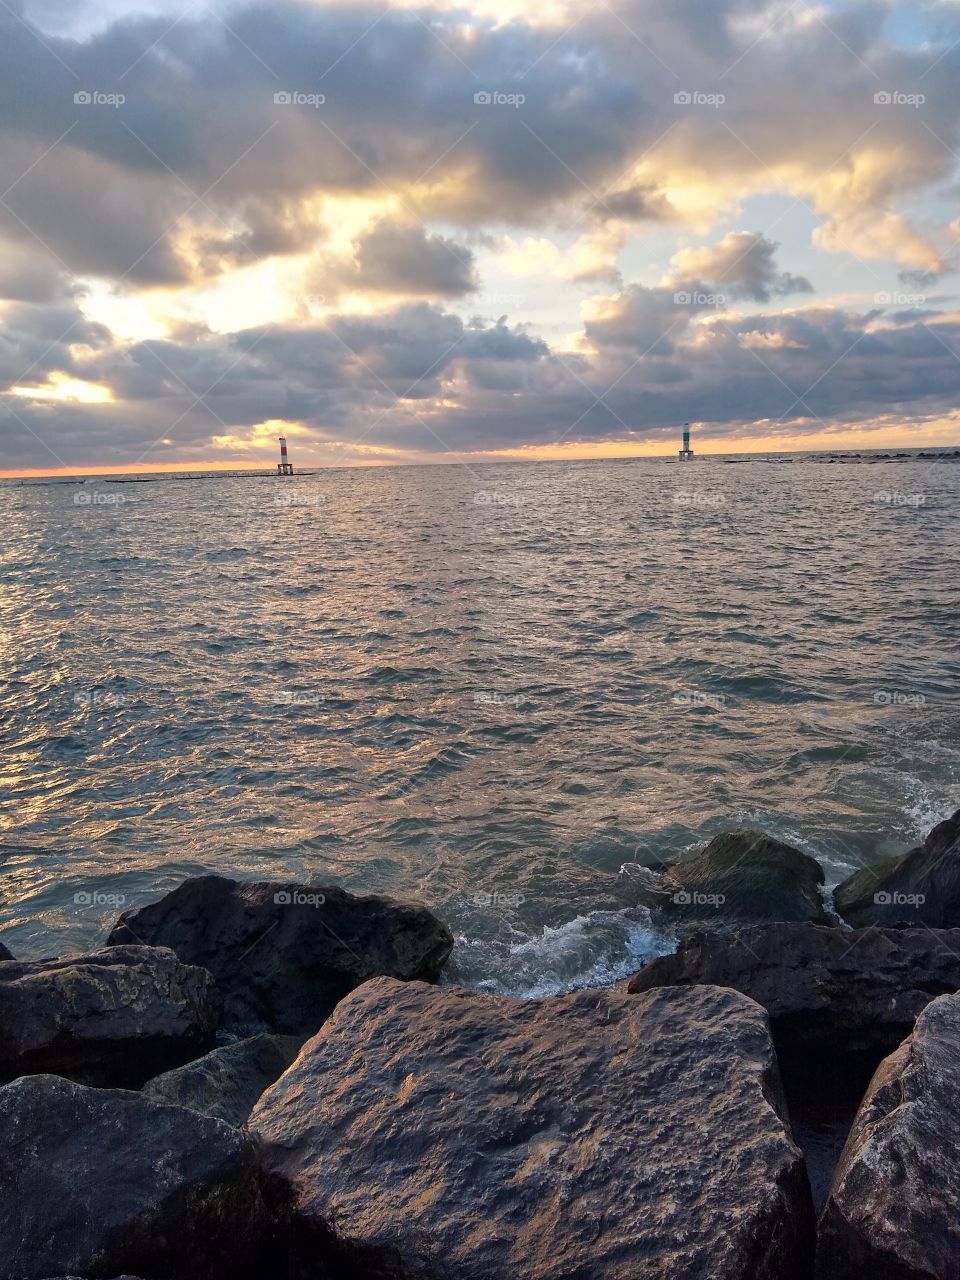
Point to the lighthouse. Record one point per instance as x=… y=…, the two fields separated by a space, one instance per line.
x=284 y=466
x=686 y=453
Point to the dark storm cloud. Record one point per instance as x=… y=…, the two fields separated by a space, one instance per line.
x=200 y=139
x=418 y=378
x=741 y=265
x=404 y=259
x=200 y=170
x=37 y=340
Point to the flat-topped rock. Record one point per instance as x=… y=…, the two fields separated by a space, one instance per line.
x=825 y=989
x=893 y=1211
x=284 y=954
x=227 y=1082
x=429 y=1132
x=111 y=1017
x=742 y=876
x=98 y=1182
x=921 y=887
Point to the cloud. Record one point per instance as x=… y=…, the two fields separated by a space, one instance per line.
x=393 y=161
x=200 y=142
x=742 y=263
x=417 y=378
x=404 y=259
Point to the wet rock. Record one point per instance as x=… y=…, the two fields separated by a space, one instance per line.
x=827 y=991
x=740 y=876
x=427 y=1133
x=113 y=1017
x=284 y=954
x=920 y=887
x=228 y=1081
x=98 y=1182
x=838 y=1002
x=893 y=1212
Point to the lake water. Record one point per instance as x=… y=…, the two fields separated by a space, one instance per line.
x=486 y=688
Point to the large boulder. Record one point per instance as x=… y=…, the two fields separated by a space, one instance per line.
x=284 y=954
x=113 y=1017
x=427 y=1133
x=741 y=876
x=227 y=1081
x=921 y=887
x=828 y=992
x=97 y=1182
x=893 y=1212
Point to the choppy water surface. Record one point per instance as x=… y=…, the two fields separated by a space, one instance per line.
x=486 y=688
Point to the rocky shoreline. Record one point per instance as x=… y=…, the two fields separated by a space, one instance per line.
x=256 y=1080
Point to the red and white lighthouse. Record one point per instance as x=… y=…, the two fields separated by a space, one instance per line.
x=284 y=466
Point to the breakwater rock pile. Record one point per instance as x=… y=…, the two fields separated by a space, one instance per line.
x=258 y=1080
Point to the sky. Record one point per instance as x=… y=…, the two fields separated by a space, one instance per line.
x=498 y=229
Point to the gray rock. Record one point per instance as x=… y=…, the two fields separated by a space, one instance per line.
x=893 y=1212
x=99 y=1182
x=284 y=954
x=113 y=1017
x=921 y=887
x=228 y=1081
x=743 y=876
x=438 y=1132
x=826 y=990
